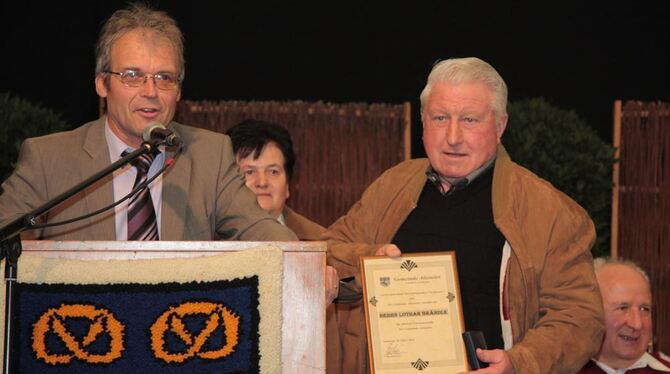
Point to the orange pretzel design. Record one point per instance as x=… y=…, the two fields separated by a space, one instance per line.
x=172 y=320
x=102 y=321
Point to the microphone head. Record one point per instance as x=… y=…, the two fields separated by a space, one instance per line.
x=146 y=134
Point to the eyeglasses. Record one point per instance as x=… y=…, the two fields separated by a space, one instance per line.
x=136 y=78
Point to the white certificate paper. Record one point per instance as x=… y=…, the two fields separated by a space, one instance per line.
x=413 y=314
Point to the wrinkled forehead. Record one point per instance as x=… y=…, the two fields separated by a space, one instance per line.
x=153 y=37
x=144 y=42
x=470 y=95
x=619 y=283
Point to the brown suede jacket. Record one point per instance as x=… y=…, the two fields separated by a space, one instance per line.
x=551 y=299
x=304 y=228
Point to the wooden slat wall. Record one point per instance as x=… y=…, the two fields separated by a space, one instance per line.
x=644 y=202
x=340 y=148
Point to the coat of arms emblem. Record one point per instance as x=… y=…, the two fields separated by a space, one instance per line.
x=385 y=281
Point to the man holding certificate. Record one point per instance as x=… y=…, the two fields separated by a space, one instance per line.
x=522 y=247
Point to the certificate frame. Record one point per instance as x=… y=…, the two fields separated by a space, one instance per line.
x=413 y=313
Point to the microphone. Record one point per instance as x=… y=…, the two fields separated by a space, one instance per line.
x=157 y=132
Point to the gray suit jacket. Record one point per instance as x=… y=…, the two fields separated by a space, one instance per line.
x=204 y=196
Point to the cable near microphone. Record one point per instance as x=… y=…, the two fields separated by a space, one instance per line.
x=157 y=132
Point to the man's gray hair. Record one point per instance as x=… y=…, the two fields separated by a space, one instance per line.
x=469 y=69
x=137 y=16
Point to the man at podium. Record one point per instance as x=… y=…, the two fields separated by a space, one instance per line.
x=199 y=196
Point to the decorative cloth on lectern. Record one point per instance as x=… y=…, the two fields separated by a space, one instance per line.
x=215 y=313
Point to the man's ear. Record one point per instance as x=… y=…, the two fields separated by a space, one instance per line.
x=501 y=126
x=101 y=85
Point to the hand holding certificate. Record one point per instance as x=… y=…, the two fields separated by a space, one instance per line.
x=413 y=314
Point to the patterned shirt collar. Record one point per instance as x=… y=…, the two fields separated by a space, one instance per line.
x=644 y=361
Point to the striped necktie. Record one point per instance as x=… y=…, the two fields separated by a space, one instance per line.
x=142 y=223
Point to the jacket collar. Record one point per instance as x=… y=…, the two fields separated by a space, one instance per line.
x=501 y=197
x=101 y=193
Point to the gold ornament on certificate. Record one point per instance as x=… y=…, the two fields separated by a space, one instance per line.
x=414 y=317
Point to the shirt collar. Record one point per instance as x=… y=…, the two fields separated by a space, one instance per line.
x=457 y=183
x=281 y=219
x=644 y=361
x=116 y=145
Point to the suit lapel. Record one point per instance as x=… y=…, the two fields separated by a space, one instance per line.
x=101 y=193
x=176 y=182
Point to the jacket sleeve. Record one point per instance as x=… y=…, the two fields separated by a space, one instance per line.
x=354 y=234
x=24 y=190
x=568 y=326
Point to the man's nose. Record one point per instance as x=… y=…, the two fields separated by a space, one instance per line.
x=149 y=86
x=454 y=133
x=261 y=180
x=635 y=319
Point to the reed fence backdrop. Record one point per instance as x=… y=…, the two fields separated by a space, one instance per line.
x=641 y=200
x=340 y=148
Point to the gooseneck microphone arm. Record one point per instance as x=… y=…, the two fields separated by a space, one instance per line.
x=29 y=219
x=10 y=240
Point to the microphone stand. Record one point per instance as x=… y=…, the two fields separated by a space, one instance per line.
x=10 y=240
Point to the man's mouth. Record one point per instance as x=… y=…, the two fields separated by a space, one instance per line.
x=627 y=338
x=454 y=154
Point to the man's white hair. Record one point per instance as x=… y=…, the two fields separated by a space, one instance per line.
x=469 y=69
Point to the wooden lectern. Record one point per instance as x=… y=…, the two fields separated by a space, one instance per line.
x=303 y=299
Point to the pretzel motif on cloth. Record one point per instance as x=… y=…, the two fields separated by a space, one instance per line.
x=55 y=320
x=172 y=321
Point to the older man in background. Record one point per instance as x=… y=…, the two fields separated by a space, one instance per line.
x=627 y=303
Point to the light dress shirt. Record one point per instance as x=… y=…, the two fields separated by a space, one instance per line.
x=124 y=179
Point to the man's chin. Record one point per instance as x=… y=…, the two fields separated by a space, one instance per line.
x=631 y=353
x=265 y=205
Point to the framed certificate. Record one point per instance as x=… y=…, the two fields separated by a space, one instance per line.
x=414 y=317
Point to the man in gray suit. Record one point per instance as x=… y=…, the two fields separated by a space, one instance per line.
x=201 y=195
